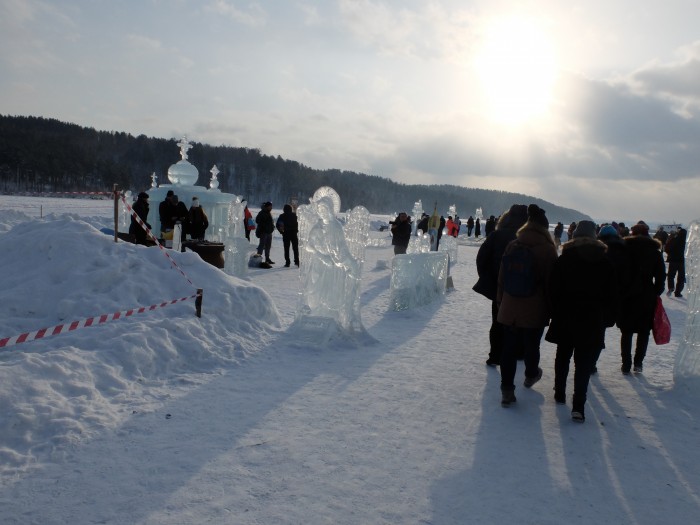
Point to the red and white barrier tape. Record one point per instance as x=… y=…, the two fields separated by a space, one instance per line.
x=153 y=238
x=90 y=321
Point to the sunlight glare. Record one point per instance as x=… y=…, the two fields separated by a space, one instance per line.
x=515 y=64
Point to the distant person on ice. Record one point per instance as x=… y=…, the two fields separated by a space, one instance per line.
x=198 y=220
x=400 y=233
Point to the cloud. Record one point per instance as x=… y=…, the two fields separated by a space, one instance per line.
x=253 y=16
x=429 y=32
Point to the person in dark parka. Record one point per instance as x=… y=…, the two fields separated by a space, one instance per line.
x=488 y=263
x=288 y=226
x=141 y=209
x=647 y=280
x=582 y=288
x=618 y=256
x=675 y=257
x=525 y=318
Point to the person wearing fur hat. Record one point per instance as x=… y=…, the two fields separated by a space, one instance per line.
x=198 y=220
x=141 y=209
x=525 y=317
x=488 y=264
x=582 y=292
x=647 y=274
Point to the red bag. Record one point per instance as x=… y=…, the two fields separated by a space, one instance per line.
x=662 y=326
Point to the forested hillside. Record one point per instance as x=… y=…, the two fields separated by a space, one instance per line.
x=45 y=155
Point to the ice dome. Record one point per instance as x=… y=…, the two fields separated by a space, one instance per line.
x=182 y=172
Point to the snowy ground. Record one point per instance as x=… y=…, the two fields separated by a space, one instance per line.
x=165 y=418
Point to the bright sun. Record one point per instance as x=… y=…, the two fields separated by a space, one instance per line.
x=516 y=66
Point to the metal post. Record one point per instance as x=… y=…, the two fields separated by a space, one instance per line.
x=116 y=212
x=198 y=302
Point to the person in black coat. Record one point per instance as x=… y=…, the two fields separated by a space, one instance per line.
x=647 y=278
x=264 y=230
x=141 y=208
x=488 y=264
x=675 y=257
x=477 y=228
x=400 y=233
x=288 y=226
x=618 y=256
x=582 y=292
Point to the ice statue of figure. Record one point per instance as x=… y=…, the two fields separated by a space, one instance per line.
x=331 y=275
x=686 y=371
x=236 y=245
x=329 y=305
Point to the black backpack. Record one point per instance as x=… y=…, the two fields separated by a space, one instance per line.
x=518 y=267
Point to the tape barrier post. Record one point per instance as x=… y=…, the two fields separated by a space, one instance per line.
x=115 y=193
x=198 y=302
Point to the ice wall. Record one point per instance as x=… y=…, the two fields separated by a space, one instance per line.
x=686 y=371
x=417 y=279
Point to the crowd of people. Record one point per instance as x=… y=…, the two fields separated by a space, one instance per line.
x=606 y=275
x=568 y=292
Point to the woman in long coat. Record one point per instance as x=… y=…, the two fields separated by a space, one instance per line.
x=647 y=279
x=583 y=293
x=525 y=318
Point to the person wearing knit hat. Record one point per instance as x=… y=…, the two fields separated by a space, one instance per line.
x=585 y=229
x=537 y=215
x=608 y=231
x=488 y=263
x=641 y=228
x=647 y=273
x=582 y=290
x=525 y=314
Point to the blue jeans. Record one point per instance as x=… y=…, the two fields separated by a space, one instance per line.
x=516 y=339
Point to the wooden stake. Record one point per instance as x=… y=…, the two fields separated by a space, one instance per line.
x=198 y=302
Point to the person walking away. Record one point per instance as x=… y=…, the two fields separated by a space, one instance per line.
x=288 y=226
x=581 y=289
x=522 y=296
x=675 y=257
x=617 y=254
x=141 y=209
x=470 y=226
x=647 y=278
x=488 y=264
x=400 y=233
x=265 y=228
x=477 y=228
x=197 y=220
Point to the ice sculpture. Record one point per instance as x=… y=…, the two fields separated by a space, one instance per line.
x=449 y=244
x=420 y=243
x=417 y=279
x=686 y=371
x=330 y=270
x=417 y=214
x=237 y=246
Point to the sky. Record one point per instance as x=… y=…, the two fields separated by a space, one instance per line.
x=592 y=105
x=164 y=418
